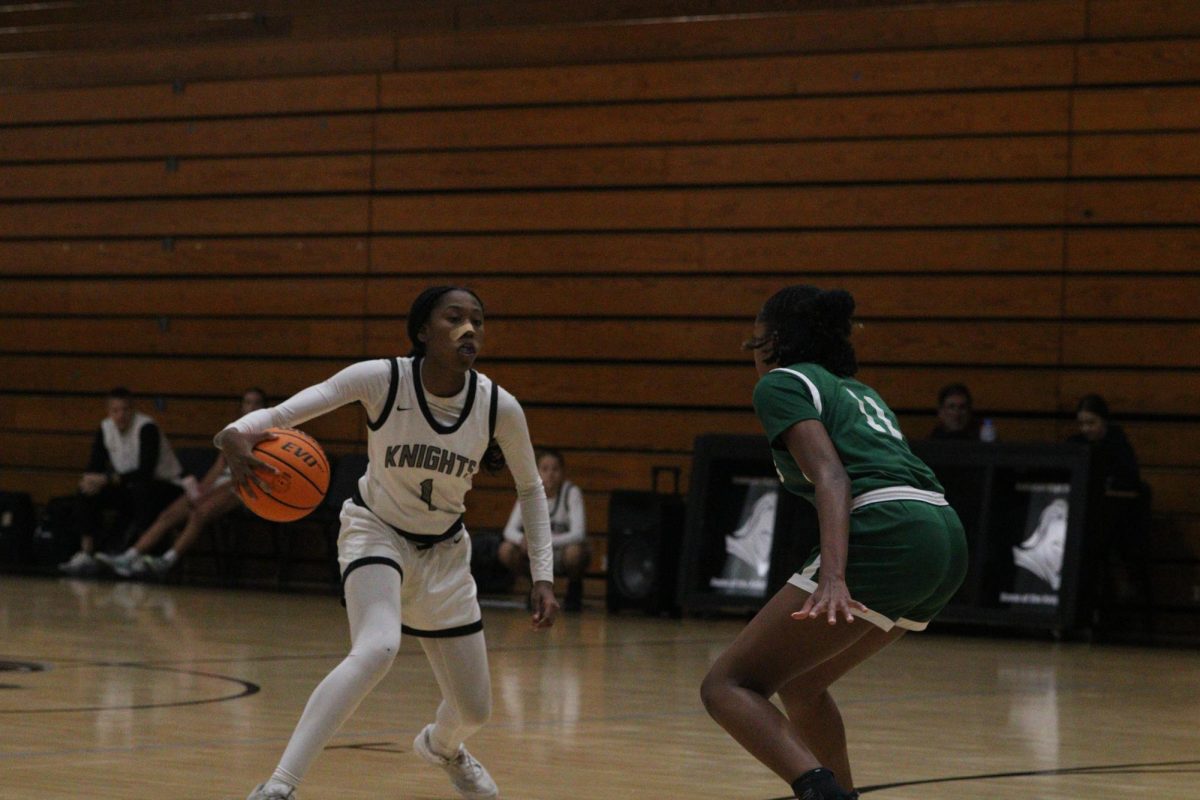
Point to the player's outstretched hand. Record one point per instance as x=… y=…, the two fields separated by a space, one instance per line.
x=545 y=605
x=244 y=466
x=831 y=599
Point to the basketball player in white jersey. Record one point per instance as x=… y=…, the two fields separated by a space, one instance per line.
x=434 y=422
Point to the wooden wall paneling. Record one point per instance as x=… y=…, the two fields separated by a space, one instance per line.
x=1134 y=202
x=1136 y=155
x=185 y=256
x=337 y=133
x=1144 y=345
x=1146 y=297
x=133 y=33
x=40 y=484
x=193 y=416
x=687 y=297
x=1145 y=109
x=604 y=471
x=814 y=31
x=881 y=27
x=920 y=205
x=191 y=217
x=289 y=297
x=858 y=73
x=690 y=386
x=793 y=162
x=1163 y=444
x=1117 y=19
x=1134 y=391
x=1157 y=61
x=309 y=94
x=908 y=342
x=637 y=429
x=947 y=250
x=1174 y=489
x=159 y=375
x=180 y=177
x=736 y=120
x=206 y=62
x=180 y=335
x=1117 y=249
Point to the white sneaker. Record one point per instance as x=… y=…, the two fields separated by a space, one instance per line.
x=275 y=793
x=145 y=567
x=80 y=565
x=121 y=565
x=468 y=776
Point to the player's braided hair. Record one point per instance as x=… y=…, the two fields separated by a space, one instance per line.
x=419 y=314
x=805 y=324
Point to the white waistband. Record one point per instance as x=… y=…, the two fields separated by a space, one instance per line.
x=897 y=493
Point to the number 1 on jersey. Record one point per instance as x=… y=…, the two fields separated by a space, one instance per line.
x=427 y=493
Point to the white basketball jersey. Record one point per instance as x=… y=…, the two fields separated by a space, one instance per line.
x=420 y=469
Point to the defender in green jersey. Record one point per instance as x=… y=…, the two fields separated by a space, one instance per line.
x=892 y=552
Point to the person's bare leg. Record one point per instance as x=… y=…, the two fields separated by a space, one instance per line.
x=171 y=517
x=812 y=710
x=770 y=652
x=218 y=503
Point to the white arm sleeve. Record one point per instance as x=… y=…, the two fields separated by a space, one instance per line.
x=577 y=519
x=512 y=433
x=366 y=382
x=512 y=531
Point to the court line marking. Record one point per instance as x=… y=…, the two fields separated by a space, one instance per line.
x=1094 y=769
x=248 y=688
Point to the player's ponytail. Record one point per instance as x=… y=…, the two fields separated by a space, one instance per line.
x=805 y=324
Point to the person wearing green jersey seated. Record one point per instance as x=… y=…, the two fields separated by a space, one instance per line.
x=892 y=552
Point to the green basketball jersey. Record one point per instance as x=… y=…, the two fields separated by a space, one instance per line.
x=863 y=430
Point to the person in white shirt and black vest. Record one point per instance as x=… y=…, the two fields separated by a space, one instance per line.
x=132 y=471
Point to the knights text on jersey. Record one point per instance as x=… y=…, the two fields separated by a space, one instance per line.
x=861 y=426
x=421 y=468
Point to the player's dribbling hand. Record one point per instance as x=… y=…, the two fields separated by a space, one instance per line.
x=237 y=448
x=831 y=599
x=545 y=605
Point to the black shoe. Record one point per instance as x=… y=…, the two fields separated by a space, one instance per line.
x=573 y=601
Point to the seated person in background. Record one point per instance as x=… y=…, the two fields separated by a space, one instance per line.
x=1126 y=505
x=956 y=418
x=132 y=471
x=568 y=524
x=200 y=505
x=1113 y=457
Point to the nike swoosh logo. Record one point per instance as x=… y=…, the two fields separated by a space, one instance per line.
x=402 y=408
x=457 y=539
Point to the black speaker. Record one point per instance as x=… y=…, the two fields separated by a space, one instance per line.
x=645 y=534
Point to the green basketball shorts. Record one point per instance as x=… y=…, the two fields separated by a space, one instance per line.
x=905 y=561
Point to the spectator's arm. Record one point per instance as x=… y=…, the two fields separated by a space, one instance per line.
x=148 y=446
x=98 y=460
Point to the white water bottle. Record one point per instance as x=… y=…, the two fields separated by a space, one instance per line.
x=987 y=431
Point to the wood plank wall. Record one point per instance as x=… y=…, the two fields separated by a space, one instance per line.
x=1009 y=188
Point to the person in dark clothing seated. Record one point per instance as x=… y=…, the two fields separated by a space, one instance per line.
x=956 y=417
x=132 y=472
x=1125 y=509
x=1113 y=456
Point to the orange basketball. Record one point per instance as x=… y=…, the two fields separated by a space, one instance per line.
x=301 y=482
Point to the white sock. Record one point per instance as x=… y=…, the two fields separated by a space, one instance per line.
x=131 y=553
x=170 y=556
x=276 y=783
x=461 y=667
